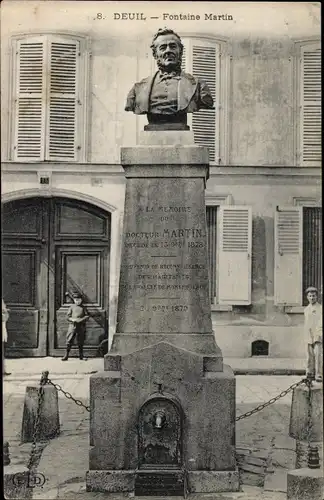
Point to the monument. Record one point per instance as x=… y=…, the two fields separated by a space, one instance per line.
x=162 y=417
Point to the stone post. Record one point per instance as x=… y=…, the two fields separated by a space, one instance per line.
x=49 y=419
x=306 y=426
x=15 y=478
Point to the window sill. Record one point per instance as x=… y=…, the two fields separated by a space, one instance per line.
x=294 y=309
x=221 y=307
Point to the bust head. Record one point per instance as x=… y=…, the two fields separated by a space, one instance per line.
x=167 y=50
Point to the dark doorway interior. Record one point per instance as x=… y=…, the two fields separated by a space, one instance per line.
x=260 y=348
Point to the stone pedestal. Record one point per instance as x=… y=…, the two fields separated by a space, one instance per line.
x=16 y=482
x=49 y=421
x=164 y=357
x=307 y=424
x=305 y=484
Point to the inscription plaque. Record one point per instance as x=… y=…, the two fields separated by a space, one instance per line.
x=164 y=276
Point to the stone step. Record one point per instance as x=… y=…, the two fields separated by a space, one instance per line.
x=164 y=483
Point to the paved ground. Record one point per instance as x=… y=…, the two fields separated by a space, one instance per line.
x=64 y=461
x=241 y=366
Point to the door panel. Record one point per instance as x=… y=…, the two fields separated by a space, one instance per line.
x=82 y=268
x=72 y=221
x=25 y=277
x=19 y=275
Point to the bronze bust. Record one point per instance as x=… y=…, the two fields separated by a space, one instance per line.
x=170 y=94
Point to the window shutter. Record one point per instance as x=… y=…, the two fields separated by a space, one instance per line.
x=204 y=62
x=311 y=105
x=184 y=62
x=64 y=57
x=29 y=100
x=288 y=256
x=234 y=262
x=312 y=249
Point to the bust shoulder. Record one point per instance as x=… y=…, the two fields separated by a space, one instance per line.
x=146 y=80
x=189 y=77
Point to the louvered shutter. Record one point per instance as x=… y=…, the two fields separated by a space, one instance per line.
x=204 y=62
x=311 y=105
x=288 y=256
x=29 y=100
x=61 y=136
x=234 y=262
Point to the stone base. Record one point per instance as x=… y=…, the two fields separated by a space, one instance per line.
x=200 y=481
x=298 y=428
x=203 y=345
x=117 y=481
x=16 y=482
x=49 y=425
x=305 y=484
x=167 y=138
x=205 y=394
x=110 y=481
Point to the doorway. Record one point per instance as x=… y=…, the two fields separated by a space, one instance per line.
x=51 y=247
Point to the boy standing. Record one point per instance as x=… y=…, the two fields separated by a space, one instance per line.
x=313 y=335
x=77 y=316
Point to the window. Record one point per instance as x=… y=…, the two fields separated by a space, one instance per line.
x=49 y=98
x=229 y=238
x=309 y=104
x=298 y=253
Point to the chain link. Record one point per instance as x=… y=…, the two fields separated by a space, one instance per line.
x=240 y=417
x=68 y=395
x=271 y=401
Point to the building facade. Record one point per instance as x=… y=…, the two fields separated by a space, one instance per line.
x=66 y=71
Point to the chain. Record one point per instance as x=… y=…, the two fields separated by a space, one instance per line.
x=240 y=417
x=68 y=395
x=40 y=398
x=271 y=401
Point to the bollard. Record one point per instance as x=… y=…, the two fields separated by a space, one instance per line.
x=16 y=478
x=305 y=484
x=306 y=424
x=313 y=458
x=42 y=410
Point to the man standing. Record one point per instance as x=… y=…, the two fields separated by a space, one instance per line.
x=313 y=335
x=170 y=94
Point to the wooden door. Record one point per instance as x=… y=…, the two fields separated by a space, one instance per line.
x=80 y=257
x=25 y=237
x=50 y=248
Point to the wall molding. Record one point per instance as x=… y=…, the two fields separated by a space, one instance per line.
x=215 y=200
x=51 y=192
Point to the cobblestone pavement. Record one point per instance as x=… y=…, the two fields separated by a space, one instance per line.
x=65 y=459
